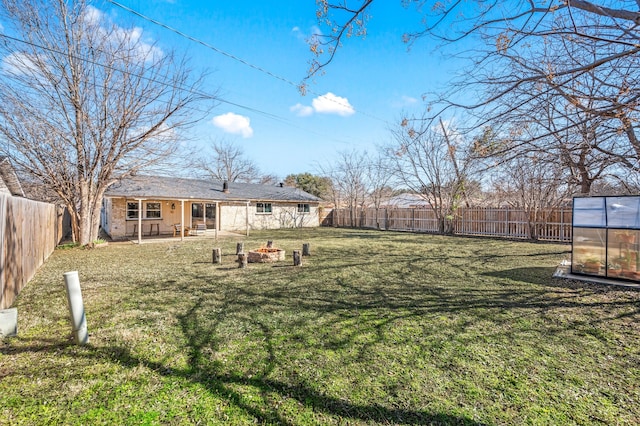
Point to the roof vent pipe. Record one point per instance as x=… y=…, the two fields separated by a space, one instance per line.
x=225 y=187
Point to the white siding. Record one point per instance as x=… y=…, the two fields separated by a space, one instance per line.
x=283 y=215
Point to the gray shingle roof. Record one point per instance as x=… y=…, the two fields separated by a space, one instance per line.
x=200 y=189
x=9 y=179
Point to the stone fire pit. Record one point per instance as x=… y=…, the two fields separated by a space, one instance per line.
x=265 y=255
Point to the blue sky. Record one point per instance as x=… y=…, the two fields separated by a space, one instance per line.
x=369 y=86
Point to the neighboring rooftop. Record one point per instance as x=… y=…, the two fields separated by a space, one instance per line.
x=406 y=200
x=9 y=182
x=202 y=189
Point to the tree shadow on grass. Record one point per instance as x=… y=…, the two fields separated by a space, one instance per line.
x=343 y=313
x=225 y=386
x=535 y=274
x=225 y=383
x=340 y=303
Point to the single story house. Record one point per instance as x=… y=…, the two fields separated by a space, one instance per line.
x=159 y=205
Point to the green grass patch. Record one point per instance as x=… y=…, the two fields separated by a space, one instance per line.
x=374 y=328
x=67 y=246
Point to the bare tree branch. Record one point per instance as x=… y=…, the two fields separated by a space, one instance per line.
x=85 y=102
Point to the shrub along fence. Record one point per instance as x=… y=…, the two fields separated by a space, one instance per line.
x=29 y=231
x=547 y=225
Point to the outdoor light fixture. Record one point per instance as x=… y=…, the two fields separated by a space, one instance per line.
x=173 y=206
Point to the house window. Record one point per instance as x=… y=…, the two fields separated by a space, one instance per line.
x=132 y=210
x=263 y=207
x=303 y=208
x=153 y=210
x=150 y=210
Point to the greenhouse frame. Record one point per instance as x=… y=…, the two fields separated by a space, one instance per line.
x=606 y=235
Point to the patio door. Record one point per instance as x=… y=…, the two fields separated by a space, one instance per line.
x=203 y=213
x=210 y=215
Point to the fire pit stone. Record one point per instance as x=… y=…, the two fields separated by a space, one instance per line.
x=265 y=255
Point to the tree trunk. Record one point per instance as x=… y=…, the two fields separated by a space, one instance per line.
x=73 y=216
x=242 y=260
x=297 y=259
x=84 y=214
x=95 y=217
x=217 y=255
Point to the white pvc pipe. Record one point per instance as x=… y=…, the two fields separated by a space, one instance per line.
x=76 y=307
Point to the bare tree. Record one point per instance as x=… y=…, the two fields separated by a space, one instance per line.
x=581 y=116
x=579 y=144
x=85 y=102
x=348 y=187
x=534 y=184
x=379 y=175
x=228 y=162
x=433 y=162
x=532 y=50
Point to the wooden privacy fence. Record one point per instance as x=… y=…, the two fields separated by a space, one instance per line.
x=30 y=231
x=548 y=225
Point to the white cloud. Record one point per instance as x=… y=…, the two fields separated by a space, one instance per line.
x=325 y=104
x=332 y=104
x=313 y=34
x=234 y=124
x=133 y=37
x=301 y=110
x=19 y=63
x=408 y=100
x=93 y=15
x=404 y=101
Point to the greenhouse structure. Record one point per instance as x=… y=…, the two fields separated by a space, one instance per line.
x=606 y=235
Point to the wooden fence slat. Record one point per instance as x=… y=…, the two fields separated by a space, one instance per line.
x=28 y=232
x=552 y=225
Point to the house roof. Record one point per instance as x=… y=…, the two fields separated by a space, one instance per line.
x=164 y=187
x=9 y=182
x=406 y=200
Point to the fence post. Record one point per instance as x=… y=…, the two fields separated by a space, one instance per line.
x=506 y=222
x=386 y=219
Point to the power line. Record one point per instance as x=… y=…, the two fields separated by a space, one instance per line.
x=203 y=43
x=235 y=58
x=203 y=94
